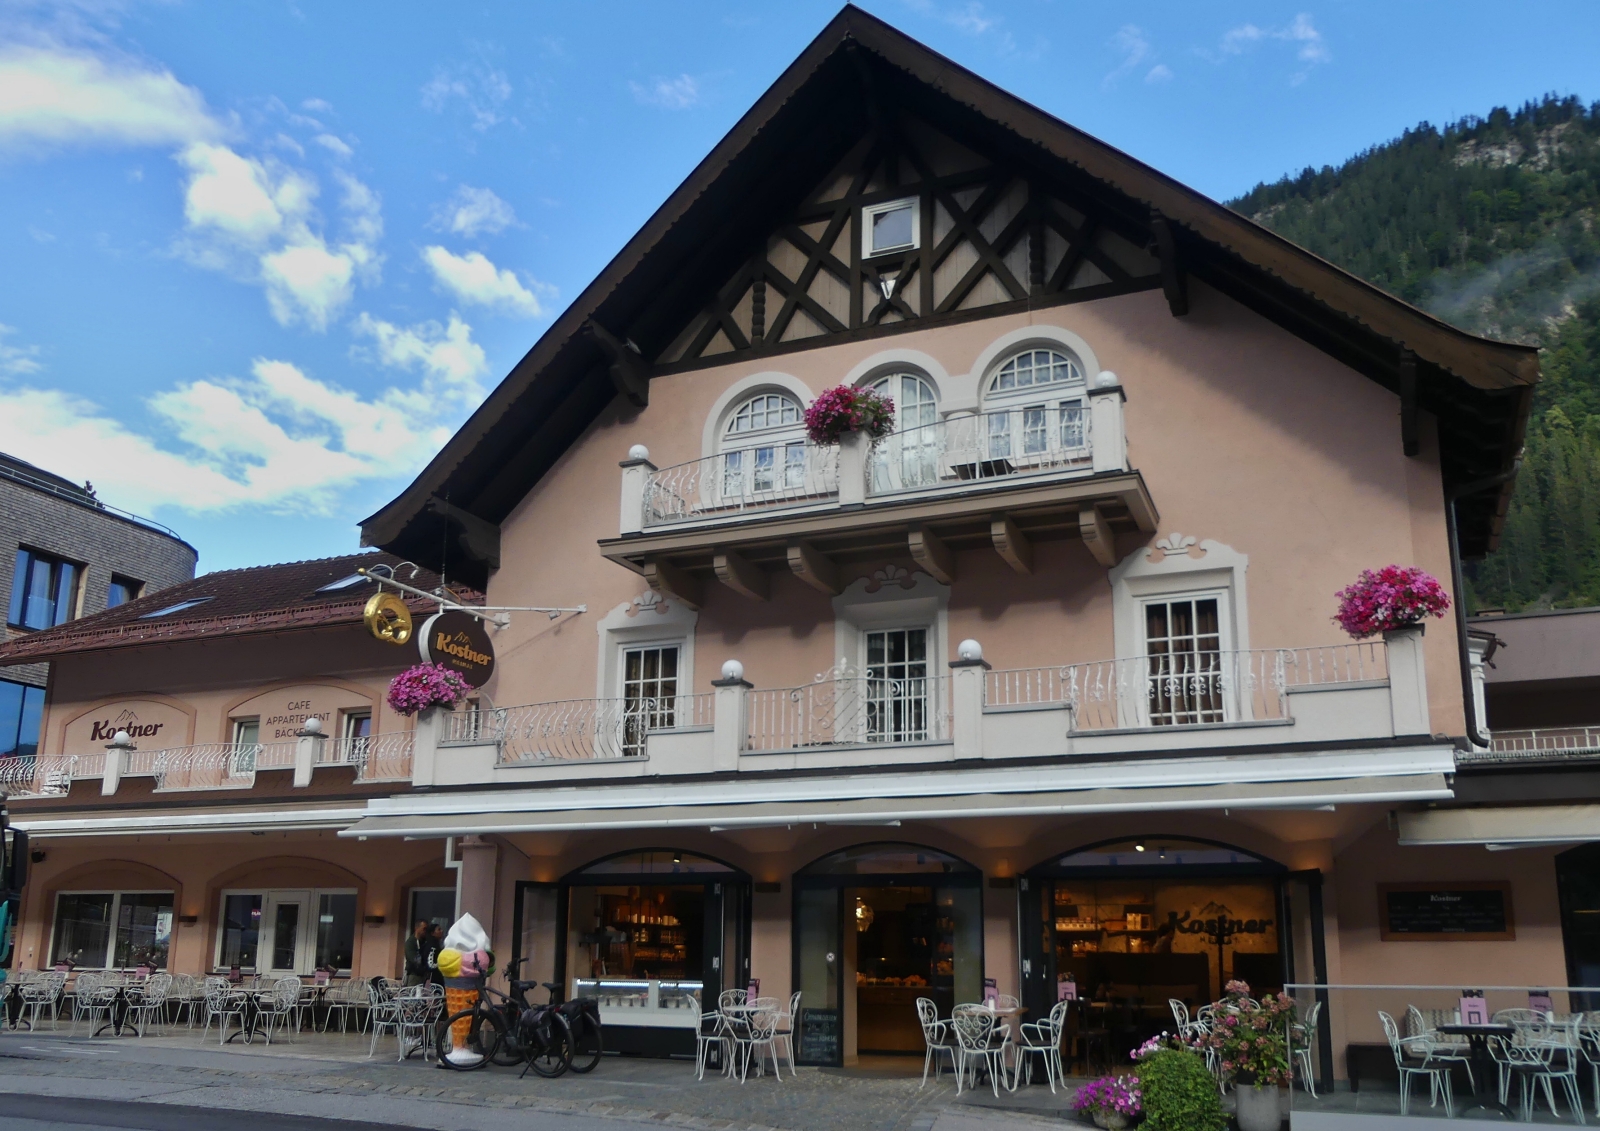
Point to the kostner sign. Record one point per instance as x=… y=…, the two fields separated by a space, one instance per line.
x=458 y=641
x=104 y=730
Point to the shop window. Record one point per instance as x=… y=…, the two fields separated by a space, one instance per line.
x=649 y=693
x=1183 y=642
x=21 y=711
x=122 y=590
x=336 y=930
x=287 y=931
x=112 y=929
x=435 y=905
x=44 y=590
x=656 y=862
x=239 y=939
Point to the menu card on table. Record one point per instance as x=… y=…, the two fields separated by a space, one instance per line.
x=1066 y=991
x=991 y=992
x=1474 y=1011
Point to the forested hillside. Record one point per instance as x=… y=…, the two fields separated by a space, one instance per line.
x=1491 y=224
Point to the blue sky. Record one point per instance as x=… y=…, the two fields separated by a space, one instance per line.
x=259 y=258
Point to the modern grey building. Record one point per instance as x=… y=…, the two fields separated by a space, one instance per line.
x=73 y=556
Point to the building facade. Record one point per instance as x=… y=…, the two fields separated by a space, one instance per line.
x=1038 y=693
x=72 y=556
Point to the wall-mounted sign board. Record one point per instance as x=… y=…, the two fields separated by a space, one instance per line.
x=1449 y=911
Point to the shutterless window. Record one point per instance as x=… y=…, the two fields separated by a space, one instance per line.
x=779 y=463
x=112 y=929
x=649 y=693
x=1183 y=640
x=21 y=710
x=889 y=227
x=122 y=590
x=246 y=744
x=239 y=942
x=897 y=685
x=44 y=590
x=336 y=930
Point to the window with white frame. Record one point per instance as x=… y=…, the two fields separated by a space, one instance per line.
x=890 y=226
x=1185 y=657
x=357 y=736
x=286 y=930
x=897 y=698
x=246 y=744
x=649 y=693
x=909 y=458
x=763 y=448
x=112 y=929
x=1035 y=409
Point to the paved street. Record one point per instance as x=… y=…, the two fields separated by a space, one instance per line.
x=325 y=1083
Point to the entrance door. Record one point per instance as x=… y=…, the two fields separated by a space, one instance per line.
x=1305 y=957
x=818 y=962
x=286 y=946
x=536 y=951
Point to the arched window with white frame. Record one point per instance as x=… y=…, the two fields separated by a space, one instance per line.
x=1035 y=412
x=910 y=457
x=764 y=448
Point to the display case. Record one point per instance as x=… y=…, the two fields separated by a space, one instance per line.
x=649 y=1002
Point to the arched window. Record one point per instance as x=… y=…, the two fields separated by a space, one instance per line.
x=763 y=449
x=1035 y=415
x=909 y=458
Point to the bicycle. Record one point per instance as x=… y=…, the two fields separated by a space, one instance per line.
x=585 y=1037
x=509 y=1031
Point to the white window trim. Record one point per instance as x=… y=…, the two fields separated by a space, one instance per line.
x=871 y=210
x=645 y=628
x=315 y=898
x=722 y=410
x=926 y=604
x=1171 y=569
x=111 y=935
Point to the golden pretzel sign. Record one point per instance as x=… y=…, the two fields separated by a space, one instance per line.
x=387 y=618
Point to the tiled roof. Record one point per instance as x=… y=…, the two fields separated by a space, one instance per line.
x=233 y=602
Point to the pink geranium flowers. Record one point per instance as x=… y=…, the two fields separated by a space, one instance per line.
x=1393 y=597
x=844 y=409
x=1110 y=1094
x=426 y=685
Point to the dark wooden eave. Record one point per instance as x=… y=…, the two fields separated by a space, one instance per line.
x=848 y=82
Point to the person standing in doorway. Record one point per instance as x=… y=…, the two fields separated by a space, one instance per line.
x=435 y=945
x=418 y=947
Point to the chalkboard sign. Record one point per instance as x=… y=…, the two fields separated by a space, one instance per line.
x=1462 y=911
x=819 y=1036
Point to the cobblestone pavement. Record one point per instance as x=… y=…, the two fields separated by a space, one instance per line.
x=330 y=1075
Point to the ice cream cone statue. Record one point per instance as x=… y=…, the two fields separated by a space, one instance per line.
x=465 y=962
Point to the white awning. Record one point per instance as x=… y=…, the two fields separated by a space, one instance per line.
x=173 y=821
x=888 y=811
x=1507 y=826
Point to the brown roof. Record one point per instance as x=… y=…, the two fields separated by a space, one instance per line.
x=234 y=602
x=1479 y=390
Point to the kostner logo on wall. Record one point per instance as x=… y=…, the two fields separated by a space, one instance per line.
x=458 y=641
x=104 y=730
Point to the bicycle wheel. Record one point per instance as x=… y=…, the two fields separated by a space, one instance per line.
x=552 y=1057
x=507 y=1053
x=482 y=1043
x=586 y=1043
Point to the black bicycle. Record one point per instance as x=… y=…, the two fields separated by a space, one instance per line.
x=585 y=1038
x=507 y=1029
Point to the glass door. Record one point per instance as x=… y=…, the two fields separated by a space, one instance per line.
x=1035 y=898
x=817 y=965
x=538 y=914
x=287 y=946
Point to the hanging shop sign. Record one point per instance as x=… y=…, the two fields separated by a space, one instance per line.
x=458 y=641
x=387 y=618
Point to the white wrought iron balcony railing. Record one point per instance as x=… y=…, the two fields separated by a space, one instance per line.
x=1547 y=744
x=755 y=479
x=578 y=730
x=843 y=707
x=376 y=757
x=47 y=775
x=987 y=446
x=209 y=765
x=1186 y=688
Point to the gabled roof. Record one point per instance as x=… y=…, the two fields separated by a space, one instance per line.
x=855 y=72
x=234 y=602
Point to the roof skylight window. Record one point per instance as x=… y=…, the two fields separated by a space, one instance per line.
x=343 y=583
x=178 y=608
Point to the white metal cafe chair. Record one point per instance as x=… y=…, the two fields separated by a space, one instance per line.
x=785 y=1035
x=936 y=1038
x=1413 y=1057
x=1042 y=1039
x=150 y=1007
x=978 y=1045
x=1303 y=1034
x=758 y=1033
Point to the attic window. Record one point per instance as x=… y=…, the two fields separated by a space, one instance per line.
x=891 y=226
x=178 y=608
x=343 y=583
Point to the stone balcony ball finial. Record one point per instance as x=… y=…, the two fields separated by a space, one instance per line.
x=120 y=741
x=732 y=670
x=969 y=649
x=1106 y=379
x=312 y=727
x=638 y=451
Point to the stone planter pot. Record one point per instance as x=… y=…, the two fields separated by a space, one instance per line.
x=1257 y=1108
x=1110 y=1120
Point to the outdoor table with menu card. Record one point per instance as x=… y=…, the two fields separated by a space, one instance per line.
x=1482 y=1065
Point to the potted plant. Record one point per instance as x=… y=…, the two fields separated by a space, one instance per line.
x=844 y=409
x=1112 y=1101
x=422 y=687
x=1176 y=1089
x=1394 y=597
x=1250 y=1040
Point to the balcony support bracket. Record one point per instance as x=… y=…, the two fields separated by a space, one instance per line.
x=670 y=581
x=929 y=551
x=1097 y=535
x=736 y=572
x=1011 y=543
x=815 y=569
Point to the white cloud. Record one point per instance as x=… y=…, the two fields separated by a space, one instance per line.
x=672 y=94
x=278 y=439
x=1300 y=33
x=1158 y=73
x=52 y=95
x=307 y=283
x=473 y=279
x=482 y=90
x=238 y=197
x=317 y=106
x=472 y=211
x=334 y=145
x=1131 y=43
x=447 y=356
x=15 y=361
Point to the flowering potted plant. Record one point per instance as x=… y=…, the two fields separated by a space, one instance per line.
x=1250 y=1041
x=1176 y=1090
x=1393 y=597
x=422 y=686
x=1113 y=1101
x=844 y=409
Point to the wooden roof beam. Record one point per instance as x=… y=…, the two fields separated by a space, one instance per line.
x=1173 y=281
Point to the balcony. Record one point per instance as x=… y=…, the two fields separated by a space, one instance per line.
x=1542 y=745
x=999 y=480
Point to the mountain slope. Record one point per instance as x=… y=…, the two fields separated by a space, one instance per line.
x=1490 y=223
